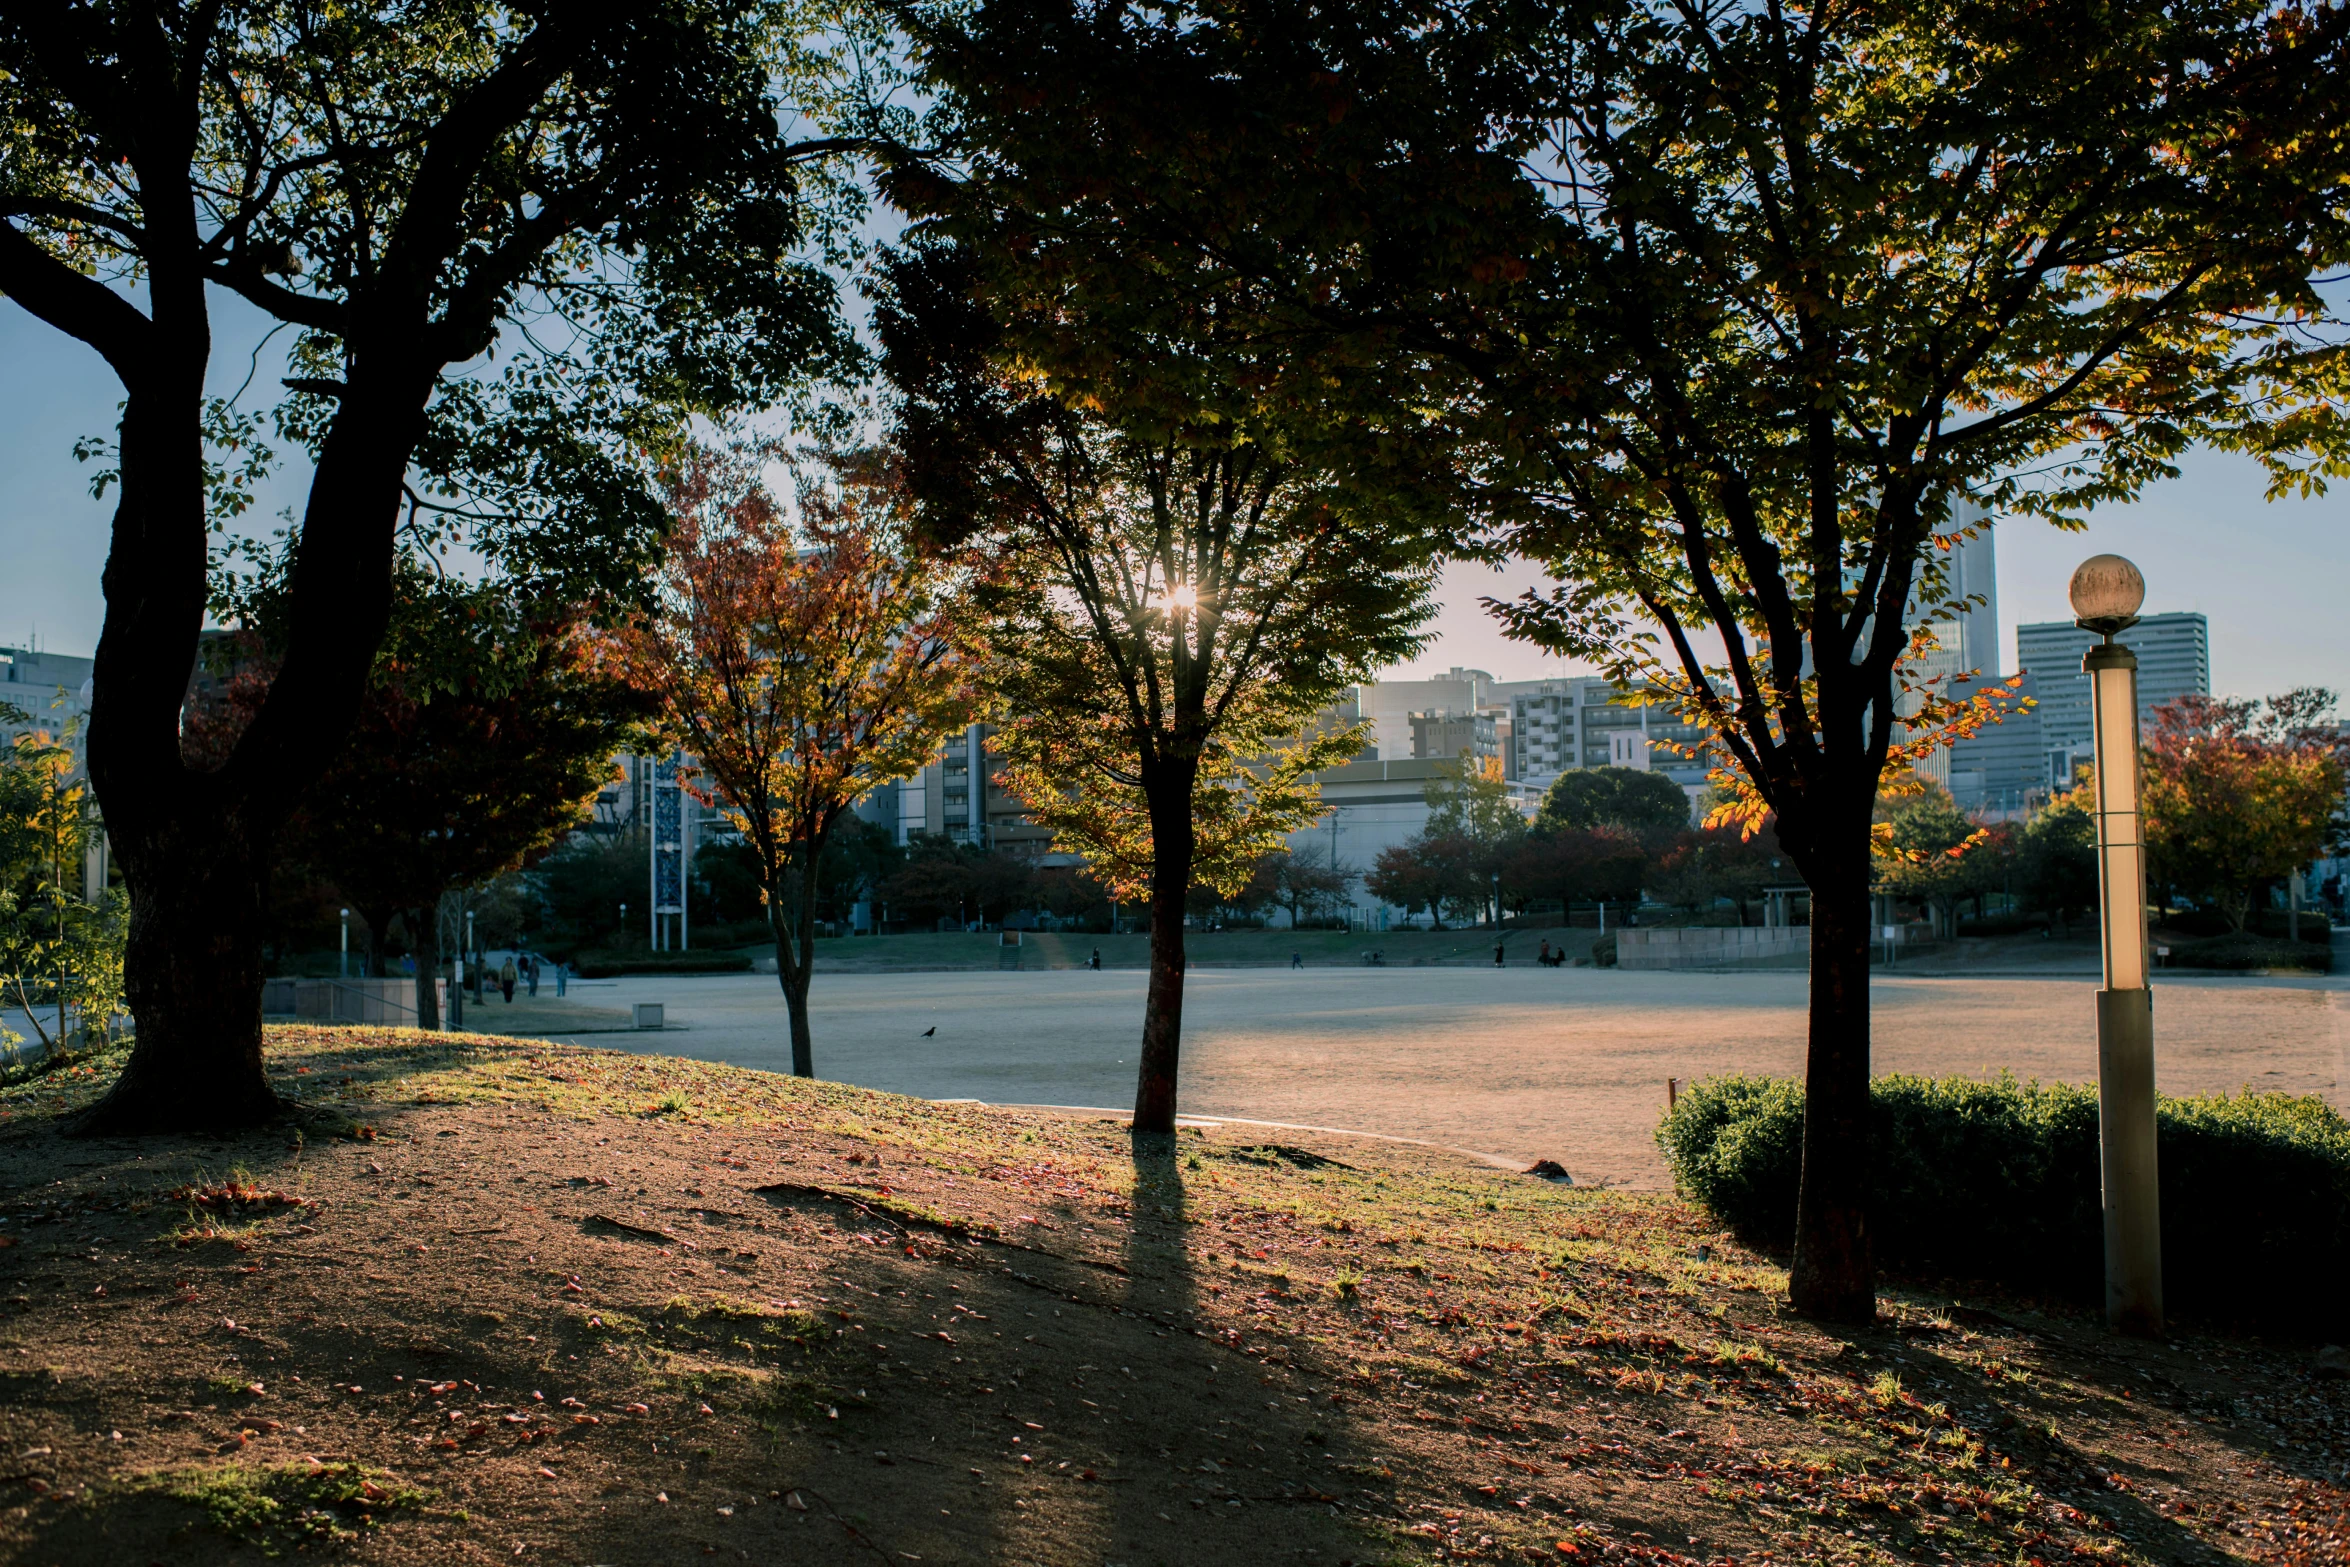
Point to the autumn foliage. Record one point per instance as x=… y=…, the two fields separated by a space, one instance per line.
x=802 y=657
x=2240 y=794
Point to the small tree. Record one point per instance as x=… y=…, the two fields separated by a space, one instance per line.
x=1181 y=573
x=2240 y=794
x=1710 y=863
x=1603 y=864
x=2056 y=857
x=1928 y=852
x=1412 y=876
x=49 y=936
x=1622 y=796
x=1476 y=810
x=480 y=743
x=1306 y=886
x=802 y=666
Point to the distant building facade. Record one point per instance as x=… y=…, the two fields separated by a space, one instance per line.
x=1558 y=726
x=2174 y=661
x=50 y=689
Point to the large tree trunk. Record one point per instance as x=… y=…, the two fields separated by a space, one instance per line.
x=1172 y=843
x=193 y=845
x=192 y=977
x=1833 y=1278
x=424 y=941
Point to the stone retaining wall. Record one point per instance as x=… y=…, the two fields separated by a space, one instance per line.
x=1782 y=946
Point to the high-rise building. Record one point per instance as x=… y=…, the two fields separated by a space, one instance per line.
x=2001 y=770
x=2174 y=660
x=1557 y=726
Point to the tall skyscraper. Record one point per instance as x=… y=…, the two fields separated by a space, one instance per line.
x=2174 y=660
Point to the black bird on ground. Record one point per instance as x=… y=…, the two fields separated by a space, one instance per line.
x=932 y=1029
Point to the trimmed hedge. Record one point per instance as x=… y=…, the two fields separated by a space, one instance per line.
x=604 y=965
x=1999 y=1181
x=2254 y=952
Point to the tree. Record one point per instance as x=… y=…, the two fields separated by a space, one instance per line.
x=1603 y=864
x=800 y=666
x=1304 y=886
x=1477 y=809
x=481 y=740
x=2240 y=794
x=582 y=884
x=480 y=745
x=1740 y=304
x=1931 y=851
x=1705 y=864
x=2056 y=857
x=1069 y=895
x=49 y=935
x=1420 y=874
x=412 y=189
x=1179 y=573
x=1631 y=797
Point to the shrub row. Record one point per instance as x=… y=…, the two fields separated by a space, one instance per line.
x=2254 y=952
x=1998 y=1181
x=604 y=965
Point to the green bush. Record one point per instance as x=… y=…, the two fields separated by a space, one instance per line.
x=604 y=965
x=2253 y=952
x=1999 y=1181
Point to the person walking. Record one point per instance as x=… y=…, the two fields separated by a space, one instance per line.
x=507 y=975
x=530 y=971
x=1543 y=957
x=1497 y=963
x=1297 y=960
x=1095 y=962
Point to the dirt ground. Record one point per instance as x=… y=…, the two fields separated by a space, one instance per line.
x=1524 y=1064
x=490 y=1300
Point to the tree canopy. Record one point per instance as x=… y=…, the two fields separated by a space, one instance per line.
x=2240 y=794
x=1733 y=309
x=594 y=209
x=802 y=657
x=1177 y=567
x=1632 y=797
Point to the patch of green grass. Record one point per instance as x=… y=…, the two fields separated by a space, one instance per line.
x=290 y=1506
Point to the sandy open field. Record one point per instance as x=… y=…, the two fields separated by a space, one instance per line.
x=1519 y=1064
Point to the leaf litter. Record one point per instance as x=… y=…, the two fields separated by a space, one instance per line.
x=797 y=1321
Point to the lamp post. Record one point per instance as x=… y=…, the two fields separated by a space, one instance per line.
x=2106 y=592
x=343 y=964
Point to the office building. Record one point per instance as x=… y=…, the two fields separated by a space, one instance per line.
x=50 y=689
x=1557 y=726
x=2001 y=771
x=956 y=796
x=2174 y=661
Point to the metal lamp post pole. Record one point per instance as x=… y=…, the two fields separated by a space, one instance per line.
x=343 y=964
x=2106 y=593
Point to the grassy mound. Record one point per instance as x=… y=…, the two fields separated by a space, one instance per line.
x=1999 y=1181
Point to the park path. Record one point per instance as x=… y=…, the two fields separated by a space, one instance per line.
x=1518 y=1064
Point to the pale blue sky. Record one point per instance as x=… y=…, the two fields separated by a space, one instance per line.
x=2270 y=576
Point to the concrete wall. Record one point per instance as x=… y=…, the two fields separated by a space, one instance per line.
x=388 y=1001
x=1785 y=946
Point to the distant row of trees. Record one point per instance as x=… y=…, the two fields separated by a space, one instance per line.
x=1594 y=839
x=2238 y=795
